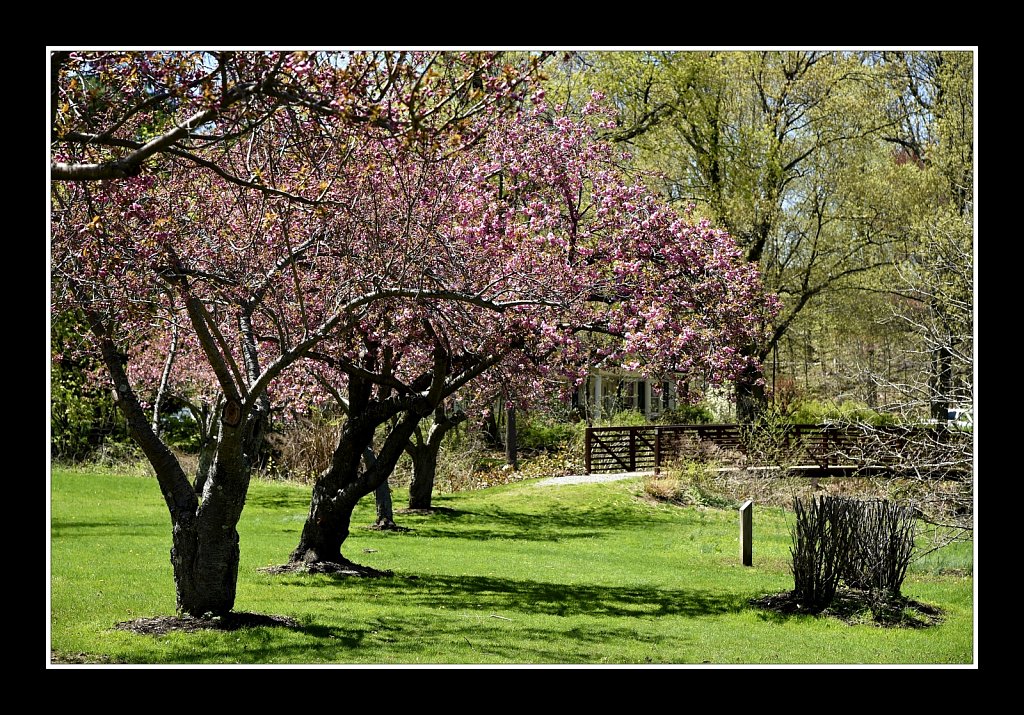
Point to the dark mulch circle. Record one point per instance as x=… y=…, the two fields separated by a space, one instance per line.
x=61 y=658
x=346 y=568
x=854 y=607
x=160 y=625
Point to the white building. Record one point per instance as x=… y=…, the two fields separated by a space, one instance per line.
x=606 y=392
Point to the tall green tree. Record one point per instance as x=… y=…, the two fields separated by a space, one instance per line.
x=785 y=149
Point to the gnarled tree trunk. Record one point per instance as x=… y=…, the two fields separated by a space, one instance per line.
x=204 y=552
x=424 y=453
x=346 y=481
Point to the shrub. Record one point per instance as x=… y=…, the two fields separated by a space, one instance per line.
x=623 y=418
x=881 y=550
x=691 y=483
x=304 y=448
x=867 y=545
x=541 y=432
x=686 y=414
x=818 y=412
x=822 y=541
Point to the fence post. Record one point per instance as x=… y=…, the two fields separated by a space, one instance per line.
x=657 y=450
x=586 y=450
x=746 y=528
x=632 y=448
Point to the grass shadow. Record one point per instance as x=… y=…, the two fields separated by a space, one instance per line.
x=470 y=617
x=557 y=523
x=488 y=593
x=278 y=500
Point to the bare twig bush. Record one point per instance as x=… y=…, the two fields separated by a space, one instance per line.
x=882 y=550
x=304 y=449
x=462 y=455
x=822 y=541
x=865 y=544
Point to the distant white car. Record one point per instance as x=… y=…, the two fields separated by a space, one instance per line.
x=961 y=417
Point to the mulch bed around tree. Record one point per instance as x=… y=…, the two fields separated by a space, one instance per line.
x=190 y=624
x=854 y=608
x=346 y=568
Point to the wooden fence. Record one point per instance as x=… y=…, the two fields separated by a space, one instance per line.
x=808 y=448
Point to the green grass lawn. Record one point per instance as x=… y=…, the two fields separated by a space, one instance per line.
x=519 y=574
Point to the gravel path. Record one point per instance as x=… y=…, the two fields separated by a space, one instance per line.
x=584 y=478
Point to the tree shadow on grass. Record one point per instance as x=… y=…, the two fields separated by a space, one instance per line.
x=57 y=525
x=502 y=595
x=556 y=523
x=279 y=500
x=472 y=618
x=89 y=529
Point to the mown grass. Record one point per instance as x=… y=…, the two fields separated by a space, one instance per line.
x=518 y=574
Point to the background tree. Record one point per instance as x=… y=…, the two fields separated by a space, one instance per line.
x=932 y=297
x=424 y=449
x=776 y=148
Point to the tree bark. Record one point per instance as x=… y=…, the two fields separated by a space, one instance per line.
x=511 y=438
x=348 y=480
x=385 y=507
x=424 y=455
x=382 y=497
x=424 y=471
x=205 y=545
x=751 y=399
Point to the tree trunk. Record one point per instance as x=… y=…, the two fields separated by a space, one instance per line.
x=490 y=428
x=424 y=455
x=511 y=438
x=345 y=482
x=942 y=382
x=205 y=566
x=382 y=497
x=385 y=507
x=424 y=471
x=751 y=399
x=204 y=552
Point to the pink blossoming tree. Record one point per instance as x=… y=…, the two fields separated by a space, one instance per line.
x=197 y=191
x=401 y=234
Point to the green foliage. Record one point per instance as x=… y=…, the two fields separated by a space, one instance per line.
x=82 y=414
x=179 y=429
x=841 y=174
x=687 y=414
x=622 y=418
x=543 y=432
x=579 y=574
x=847 y=411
